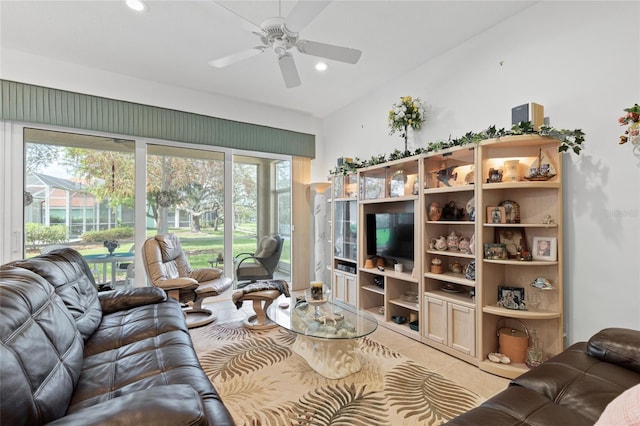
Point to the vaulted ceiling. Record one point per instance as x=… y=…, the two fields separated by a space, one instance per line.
x=173 y=41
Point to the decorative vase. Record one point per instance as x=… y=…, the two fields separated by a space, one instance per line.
x=435 y=211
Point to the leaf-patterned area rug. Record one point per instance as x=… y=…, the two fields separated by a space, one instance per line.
x=262 y=381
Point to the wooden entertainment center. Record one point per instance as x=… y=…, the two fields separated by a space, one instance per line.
x=496 y=199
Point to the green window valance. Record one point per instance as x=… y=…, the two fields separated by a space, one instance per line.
x=36 y=104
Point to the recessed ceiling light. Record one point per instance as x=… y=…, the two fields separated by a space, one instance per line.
x=136 y=5
x=321 y=66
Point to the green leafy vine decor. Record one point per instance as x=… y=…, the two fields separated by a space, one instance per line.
x=570 y=141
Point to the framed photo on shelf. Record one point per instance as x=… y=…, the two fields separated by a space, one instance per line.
x=511 y=298
x=514 y=239
x=496 y=214
x=545 y=248
x=495 y=251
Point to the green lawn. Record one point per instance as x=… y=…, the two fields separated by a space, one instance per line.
x=200 y=247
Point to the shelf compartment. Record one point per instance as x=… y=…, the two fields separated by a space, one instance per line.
x=448 y=189
x=452 y=254
x=449 y=222
x=451 y=278
x=375 y=311
x=405 y=304
x=549 y=184
x=514 y=313
x=521 y=262
x=404 y=276
x=389 y=199
x=402 y=329
x=520 y=225
x=373 y=289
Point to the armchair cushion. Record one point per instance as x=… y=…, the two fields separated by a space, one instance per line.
x=267 y=247
x=206 y=274
x=180 y=283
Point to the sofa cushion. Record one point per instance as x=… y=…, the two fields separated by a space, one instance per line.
x=165 y=405
x=41 y=350
x=73 y=281
x=123 y=327
x=578 y=381
x=620 y=346
x=521 y=406
x=168 y=358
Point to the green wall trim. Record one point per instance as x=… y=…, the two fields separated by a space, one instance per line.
x=36 y=104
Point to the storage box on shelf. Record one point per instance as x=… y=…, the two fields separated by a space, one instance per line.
x=389 y=195
x=534 y=189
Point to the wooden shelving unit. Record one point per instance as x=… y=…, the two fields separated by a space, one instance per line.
x=458 y=312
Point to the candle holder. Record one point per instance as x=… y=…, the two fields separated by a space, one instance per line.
x=316 y=297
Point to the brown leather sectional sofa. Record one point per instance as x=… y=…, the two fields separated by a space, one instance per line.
x=71 y=355
x=573 y=388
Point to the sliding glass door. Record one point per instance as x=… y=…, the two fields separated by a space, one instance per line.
x=262 y=205
x=185 y=196
x=79 y=192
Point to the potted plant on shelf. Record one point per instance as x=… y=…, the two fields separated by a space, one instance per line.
x=408 y=113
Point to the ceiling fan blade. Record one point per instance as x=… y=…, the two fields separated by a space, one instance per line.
x=235 y=57
x=303 y=13
x=289 y=71
x=232 y=17
x=329 y=51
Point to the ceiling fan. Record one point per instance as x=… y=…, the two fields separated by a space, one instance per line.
x=281 y=35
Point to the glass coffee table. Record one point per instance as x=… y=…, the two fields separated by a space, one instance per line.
x=328 y=341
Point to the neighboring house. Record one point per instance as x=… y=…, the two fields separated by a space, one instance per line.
x=57 y=200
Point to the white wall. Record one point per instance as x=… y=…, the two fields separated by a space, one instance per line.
x=580 y=60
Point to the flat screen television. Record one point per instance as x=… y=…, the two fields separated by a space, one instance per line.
x=390 y=235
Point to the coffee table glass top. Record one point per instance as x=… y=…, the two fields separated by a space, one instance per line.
x=336 y=320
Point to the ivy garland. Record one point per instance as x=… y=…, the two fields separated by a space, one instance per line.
x=570 y=140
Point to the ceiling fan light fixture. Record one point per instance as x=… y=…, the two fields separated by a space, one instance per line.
x=137 y=5
x=321 y=66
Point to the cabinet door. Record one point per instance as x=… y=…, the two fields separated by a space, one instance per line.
x=436 y=319
x=461 y=328
x=339 y=289
x=350 y=284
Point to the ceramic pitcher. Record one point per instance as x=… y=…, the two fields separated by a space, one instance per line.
x=439 y=243
x=452 y=241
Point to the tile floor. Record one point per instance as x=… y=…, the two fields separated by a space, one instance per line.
x=474 y=379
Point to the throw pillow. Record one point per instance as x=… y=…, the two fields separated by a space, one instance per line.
x=623 y=410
